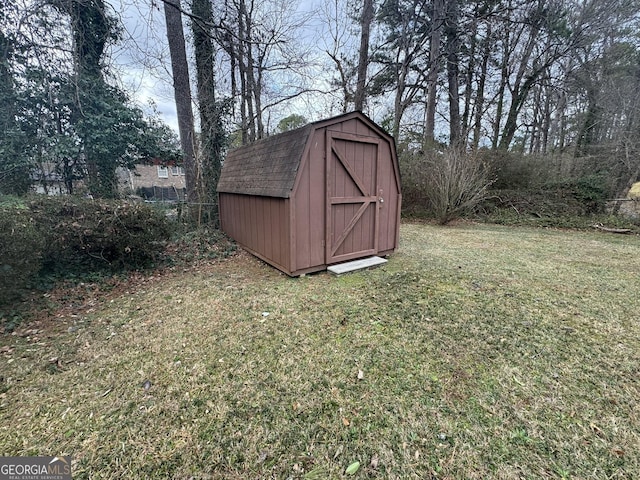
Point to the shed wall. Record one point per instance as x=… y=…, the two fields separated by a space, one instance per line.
x=389 y=219
x=308 y=203
x=354 y=126
x=260 y=224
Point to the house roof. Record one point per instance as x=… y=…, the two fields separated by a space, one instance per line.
x=267 y=167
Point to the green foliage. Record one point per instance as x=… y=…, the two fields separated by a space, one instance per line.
x=114 y=134
x=14 y=174
x=292 y=122
x=414 y=199
x=574 y=196
x=199 y=245
x=515 y=171
x=550 y=204
x=546 y=187
x=592 y=191
x=83 y=235
x=538 y=203
x=511 y=217
x=21 y=245
x=12 y=201
x=79 y=130
x=71 y=123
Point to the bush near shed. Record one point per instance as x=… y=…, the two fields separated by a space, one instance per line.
x=83 y=234
x=444 y=185
x=21 y=246
x=548 y=185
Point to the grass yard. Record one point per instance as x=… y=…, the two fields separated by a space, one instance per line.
x=477 y=352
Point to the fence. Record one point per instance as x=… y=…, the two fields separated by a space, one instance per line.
x=162 y=194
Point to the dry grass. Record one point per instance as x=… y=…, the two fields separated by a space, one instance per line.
x=485 y=352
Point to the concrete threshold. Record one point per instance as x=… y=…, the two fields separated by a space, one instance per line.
x=354 y=265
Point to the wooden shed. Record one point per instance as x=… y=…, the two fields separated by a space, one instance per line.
x=315 y=196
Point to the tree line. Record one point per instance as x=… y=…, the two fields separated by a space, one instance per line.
x=543 y=78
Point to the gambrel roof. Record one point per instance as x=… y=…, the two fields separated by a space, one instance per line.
x=267 y=167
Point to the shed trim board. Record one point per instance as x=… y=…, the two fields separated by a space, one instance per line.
x=319 y=195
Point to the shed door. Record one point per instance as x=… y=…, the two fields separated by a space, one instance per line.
x=352 y=200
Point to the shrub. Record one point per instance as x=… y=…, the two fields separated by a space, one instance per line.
x=538 y=203
x=515 y=171
x=199 y=245
x=84 y=234
x=455 y=183
x=412 y=173
x=592 y=191
x=21 y=246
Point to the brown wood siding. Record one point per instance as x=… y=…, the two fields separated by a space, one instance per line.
x=354 y=126
x=390 y=208
x=352 y=199
x=308 y=203
x=260 y=224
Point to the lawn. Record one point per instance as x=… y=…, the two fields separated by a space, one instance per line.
x=477 y=352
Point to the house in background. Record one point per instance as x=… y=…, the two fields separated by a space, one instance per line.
x=155 y=181
x=45 y=180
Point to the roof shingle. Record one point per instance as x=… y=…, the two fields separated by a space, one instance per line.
x=267 y=167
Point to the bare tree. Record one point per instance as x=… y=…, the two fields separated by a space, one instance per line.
x=182 y=91
x=363 y=55
x=434 y=70
x=339 y=48
x=452 y=47
x=259 y=39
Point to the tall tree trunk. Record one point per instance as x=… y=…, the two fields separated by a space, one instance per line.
x=534 y=143
x=453 y=46
x=14 y=172
x=504 y=78
x=211 y=134
x=245 y=112
x=482 y=79
x=398 y=103
x=520 y=90
x=182 y=92
x=257 y=97
x=363 y=55
x=468 y=78
x=529 y=72
x=558 y=121
x=247 y=66
x=434 y=70
x=546 y=118
x=589 y=130
x=91 y=30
